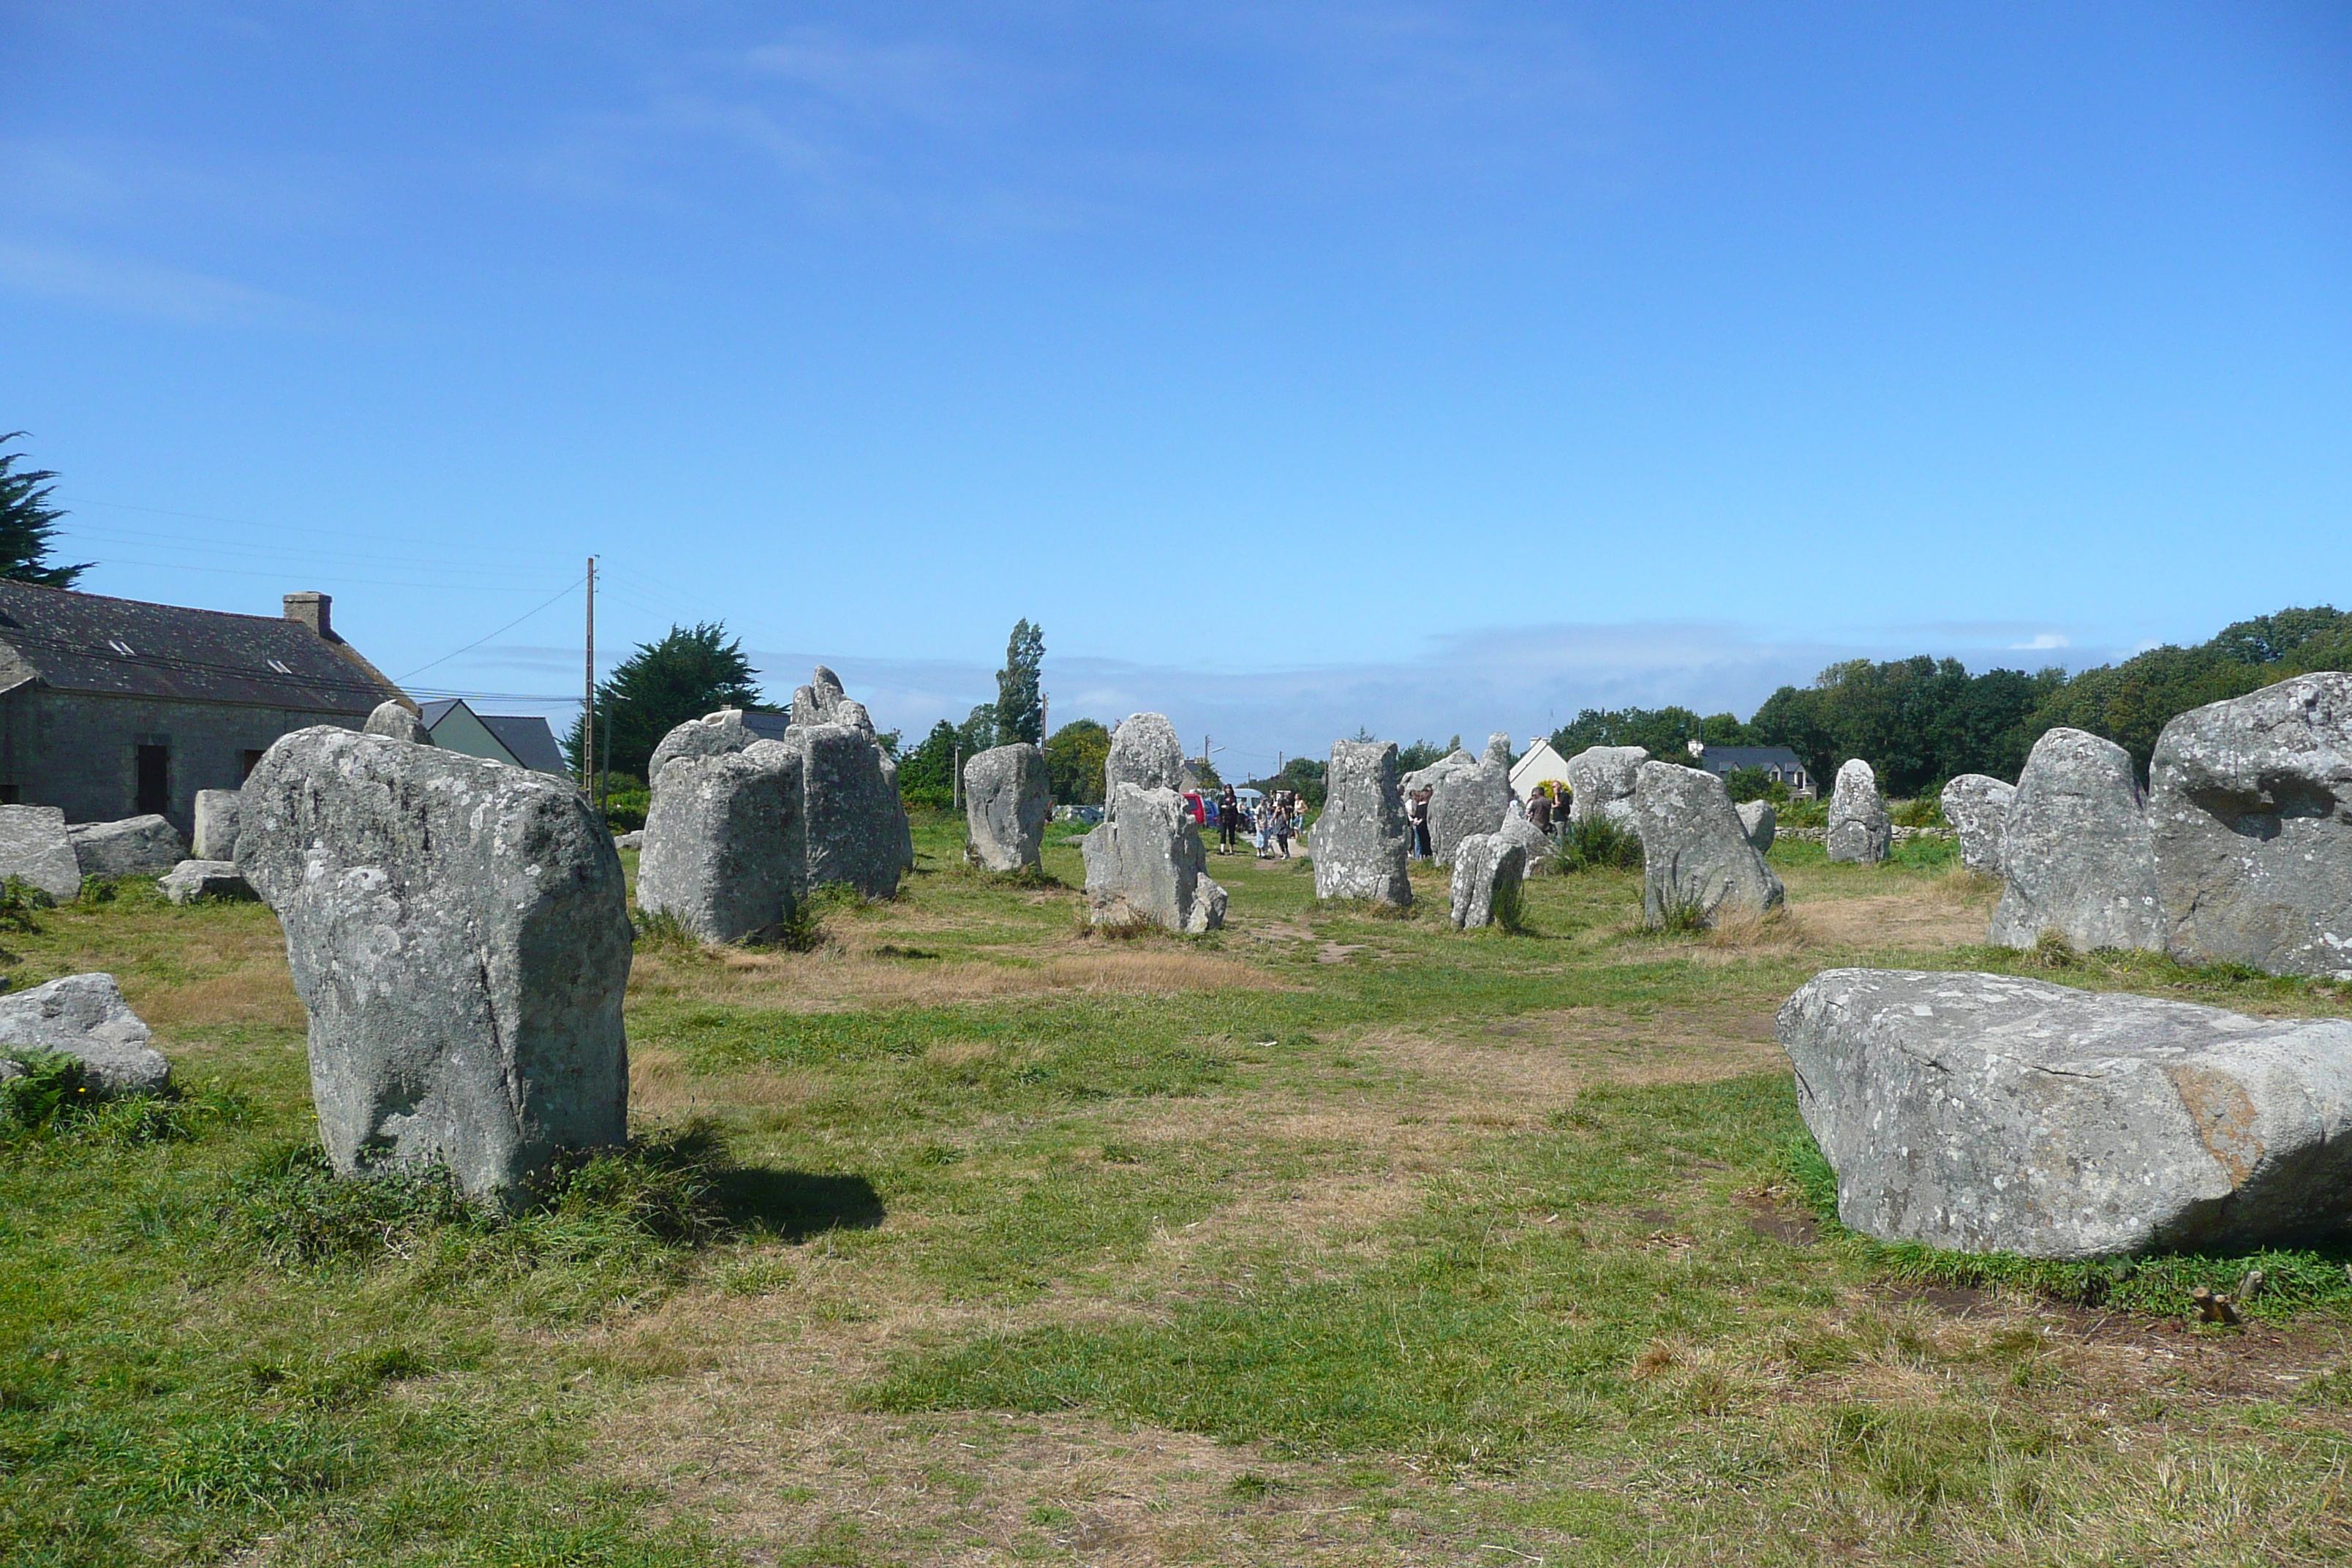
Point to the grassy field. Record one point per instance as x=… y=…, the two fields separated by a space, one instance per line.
x=969 y=1237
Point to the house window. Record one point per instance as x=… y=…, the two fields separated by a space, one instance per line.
x=252 y=760
x=280 y=666
x=9 y=795
x=155 y=779
x=118 y=645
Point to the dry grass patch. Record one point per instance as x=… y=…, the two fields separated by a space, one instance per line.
x=1930 y=917
x=864 y=970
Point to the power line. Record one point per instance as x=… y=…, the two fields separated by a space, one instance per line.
x=500 y=632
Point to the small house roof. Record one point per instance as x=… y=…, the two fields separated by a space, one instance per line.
x=528 y=738
x=1725 y=759
x=127 y=648
x=1542 y=765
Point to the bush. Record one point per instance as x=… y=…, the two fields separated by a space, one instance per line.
x=49 y=1085
x=1927 y=811
x=625 y=809
x=1594 y=843
x=18 y=901
x=1754 y=783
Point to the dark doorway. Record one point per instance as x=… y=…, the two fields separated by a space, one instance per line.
x=155 y=779
x=252 y=760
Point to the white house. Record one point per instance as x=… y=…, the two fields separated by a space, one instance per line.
x=523 y=740
x=1541 y=765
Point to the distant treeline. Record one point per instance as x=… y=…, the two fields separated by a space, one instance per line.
x=1920 y=721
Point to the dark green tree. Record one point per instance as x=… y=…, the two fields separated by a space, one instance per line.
x=927 y=774
x=1020 y=696
x=28 y=521
x=1074 y=761
x=691 y=672
x=1664 y=732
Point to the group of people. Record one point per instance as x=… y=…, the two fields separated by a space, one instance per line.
x=1277 y=821
x=1546 y=805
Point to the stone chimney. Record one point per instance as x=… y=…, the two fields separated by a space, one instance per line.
x=311 y=610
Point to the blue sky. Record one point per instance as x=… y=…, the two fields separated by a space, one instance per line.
x=1434 y=368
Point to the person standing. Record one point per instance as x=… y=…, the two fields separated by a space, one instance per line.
x=1540 y=810
x=1284 y=822
x=1416 y=817
x=1228 y=811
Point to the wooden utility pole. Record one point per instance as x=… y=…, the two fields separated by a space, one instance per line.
x=588 y=689
x=955 y=777
x=1045 y=700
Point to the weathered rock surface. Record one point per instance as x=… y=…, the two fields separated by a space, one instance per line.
x=823 y=702
x=84 y=1017
x=457 y=930
x=850 y=825
x=1977 y=806
x=1761 y=824
x=1145 y=753
x=1980 y=1113
x=134 y=847
x=856 y=825
x=2249 y=813
x=1488 y=871
x=37 y=850
x=398 y=721
x=1601 y=781
x=192 y=879
x=1360 y=841
x=713 y=735
x=723 y=852
x=216 y=837
x=1860 y=830
x=633 y=839
x=1696 y=852
x=2077 y=850
x=1469 y=795
x=1007 y=797
x=1145 y=863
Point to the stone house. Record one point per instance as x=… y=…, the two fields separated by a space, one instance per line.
x=1781 y=765
x=114 y=708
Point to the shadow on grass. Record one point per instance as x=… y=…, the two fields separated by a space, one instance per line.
x=793 y=1204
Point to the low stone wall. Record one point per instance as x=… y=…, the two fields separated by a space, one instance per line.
x=1901 y=835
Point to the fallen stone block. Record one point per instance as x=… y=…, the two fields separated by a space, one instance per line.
x=190 y=881
x=134 y=847
x=36 y=848
x=1986 y=1113
x=84 y=1017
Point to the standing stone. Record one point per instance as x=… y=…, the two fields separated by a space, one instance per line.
x=1977 y=808
x=1360 y=841
x=1763 y=824
x=216 y=837
x=2249 y=807
x=1859 y=831
x=1467 y=795
x=1145 y=753
x=1601 y=781
x=457 y=930
x=1007 y=797
x=1145 y=863
x=856 y=824
x=398 y=721
x=134 y=847
x=35 y=848
x=83 y=1017
x=722 y=853
x=713 y=735
x=1488 y=871
x=190 y=880
x=2077 y=850
x=1983 y=1112
x=823 y=702
x=1696 y=852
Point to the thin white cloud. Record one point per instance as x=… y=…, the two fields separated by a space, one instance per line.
x=2043 y=641
x=145 y=288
